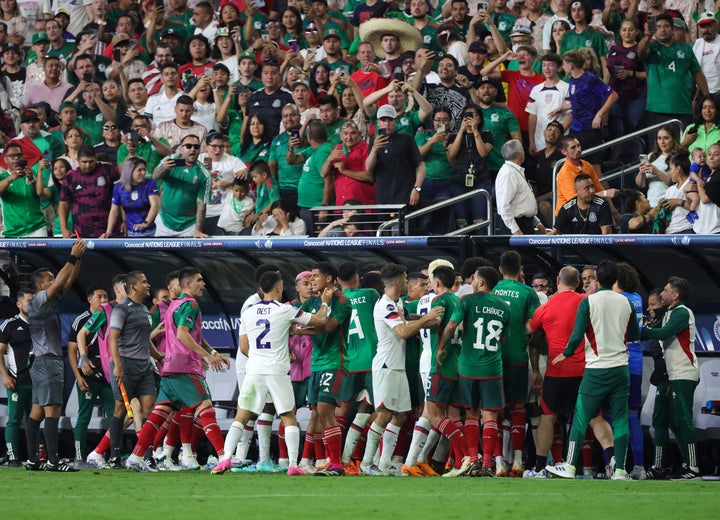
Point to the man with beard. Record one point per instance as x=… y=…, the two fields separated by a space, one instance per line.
x=448 y=93
x=499 y=121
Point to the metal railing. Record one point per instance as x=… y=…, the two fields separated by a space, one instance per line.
x=623 y=171
x=443 y=204
x=368 y=213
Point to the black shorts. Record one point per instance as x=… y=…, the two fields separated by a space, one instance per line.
x=138 y=378
x=559 y=395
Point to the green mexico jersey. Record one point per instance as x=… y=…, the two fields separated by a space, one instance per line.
x=361 y=334
x=406 y=123
x=329 y=348
x=312 y=185
x=500 y=122
x=436 y=162
x=21 y=208
x=523 y=301
x=590 y=38
x=448 y=368
x=180 y=190
x=670 y=82
x=186 y=314
x=333 y=132
x=412 y=345
x=288 y=175
x=485 y=320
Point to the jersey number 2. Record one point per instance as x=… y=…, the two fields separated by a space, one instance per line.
x=259 y=340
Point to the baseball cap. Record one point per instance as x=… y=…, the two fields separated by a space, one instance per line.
x=706 y=18
x=302 y=275
x=29 y=115
x=557 y=125
x=246 y=55
x=331 y=33
x=40 y=36
x=67 y=104
x=62 y=10
x=477 y=46
x=170 y=32
x=222 y=31
x=679 y=23
x=11 y=47
x=386 y=111
x=487 y=79
x=119 y=38
x=521 y=30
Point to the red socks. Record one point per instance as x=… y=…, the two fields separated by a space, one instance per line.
x=147 y=434
x=517 y=431
x=490 y=440
x=212 y=430
x=472 y=436
x=333 y=442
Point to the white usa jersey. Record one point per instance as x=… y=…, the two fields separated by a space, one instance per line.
x=423 y=308
x=267 y=326
x=391 y=347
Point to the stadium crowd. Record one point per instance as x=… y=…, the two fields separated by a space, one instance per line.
x=191 y=118
x=405 y=374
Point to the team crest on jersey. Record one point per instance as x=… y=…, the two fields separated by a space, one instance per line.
x=404 y=121
x=572 y=89
x=277 y=103
x=390 y=307
x=427 y=39
x=592 y=217
x=101 y=181
x=631 y=55
x=588 y=43
x=548 y=97
x=681 y=55
x=495 y=118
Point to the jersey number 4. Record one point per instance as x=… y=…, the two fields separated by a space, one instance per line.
x=487 y=335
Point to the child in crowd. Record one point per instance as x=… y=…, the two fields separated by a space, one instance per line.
x=236 y=208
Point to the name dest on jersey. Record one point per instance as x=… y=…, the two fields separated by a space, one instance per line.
x=491 y=310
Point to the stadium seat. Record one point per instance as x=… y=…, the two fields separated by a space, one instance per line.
x=708 y=390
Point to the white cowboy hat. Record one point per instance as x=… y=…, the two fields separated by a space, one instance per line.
x=372 y=31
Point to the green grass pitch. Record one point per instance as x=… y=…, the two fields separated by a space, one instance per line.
x=122 y=494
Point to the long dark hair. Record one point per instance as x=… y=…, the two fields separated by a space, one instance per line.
x=297 y=31
x=698 y=117
x=313 y=82
x=247 y=139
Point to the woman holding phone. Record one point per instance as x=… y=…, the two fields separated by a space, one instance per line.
x=136 y=200
x=653 y=174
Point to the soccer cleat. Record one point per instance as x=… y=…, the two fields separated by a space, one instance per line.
x=332 y=470
x=221 y=467
x=687 y=474
x=319 y=466
x=475 y=469
x=35 y=465
x=610 y=468
x=638 y=473
x=588 y=474
x=266 y=466
x=167 y=464
x=190 y=463
x=95 y=460
x=654 y=473
x=135 y=463
x=211 y=462
x=517 y=470
x=116 y=463
x=501 y=470
x=307 y=467
x=487 y=472
x=14 y=463
x=295 y=471
x=411 y=471
x=371 y=470
x=283 y=465
x=437 y=466
x=461 y=470
x=391 y=471
x=351 y=468
x=620 y=474
x=531 y=473
x=61 y=466
x=427 y=469
x=563 y=470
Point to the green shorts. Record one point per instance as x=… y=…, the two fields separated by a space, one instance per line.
x=443 y=391
x=325 y=386
x=300 y=389
x=481 y=393
x=354 y=384
x=181 y=390
x=515 y=381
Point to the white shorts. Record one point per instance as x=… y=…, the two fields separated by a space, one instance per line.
x=161 y=230
x=256 y=389
x=391 y=390
x=426 y=381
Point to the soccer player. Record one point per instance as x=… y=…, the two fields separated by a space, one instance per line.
x=674 y=398
x=264 y=332
x=608 y=318
x=523 y=301
x=182 y=383
x=47 y=370
x=90 y=380
x=562 y=381
x=390 y=384
x=361 y=344
x=131 y=349
x=15 y=346
x=486 y=319
x=441 y=399
x=326 y=368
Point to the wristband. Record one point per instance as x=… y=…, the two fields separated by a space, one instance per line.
x=72 y=260
x=213 y=352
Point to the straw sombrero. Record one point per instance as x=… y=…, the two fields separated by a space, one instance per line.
x=373 y=30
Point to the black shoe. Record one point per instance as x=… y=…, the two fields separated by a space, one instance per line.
x=152 y=462
x=62 y=466
x=438 y=467
x=116 y=463
x=14 y=463
x=475 y=469
x=331 y=471
x=35 y=465
x=654 y=473
x=687 y=474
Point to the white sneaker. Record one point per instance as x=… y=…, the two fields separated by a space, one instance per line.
x=563 y=470
x=638 y=473
x=167 y=464
x=501 y=470
x=531 y=473
x=620 y=474
x=96 y=460
x=457 y=472
x=371 y=470
x=610 y=468
x=190 y=463
x=307 y=467
x=391 y=471
x=140 y=465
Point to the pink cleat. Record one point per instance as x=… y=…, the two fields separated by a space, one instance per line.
x=222 y=466
x=295 y=471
